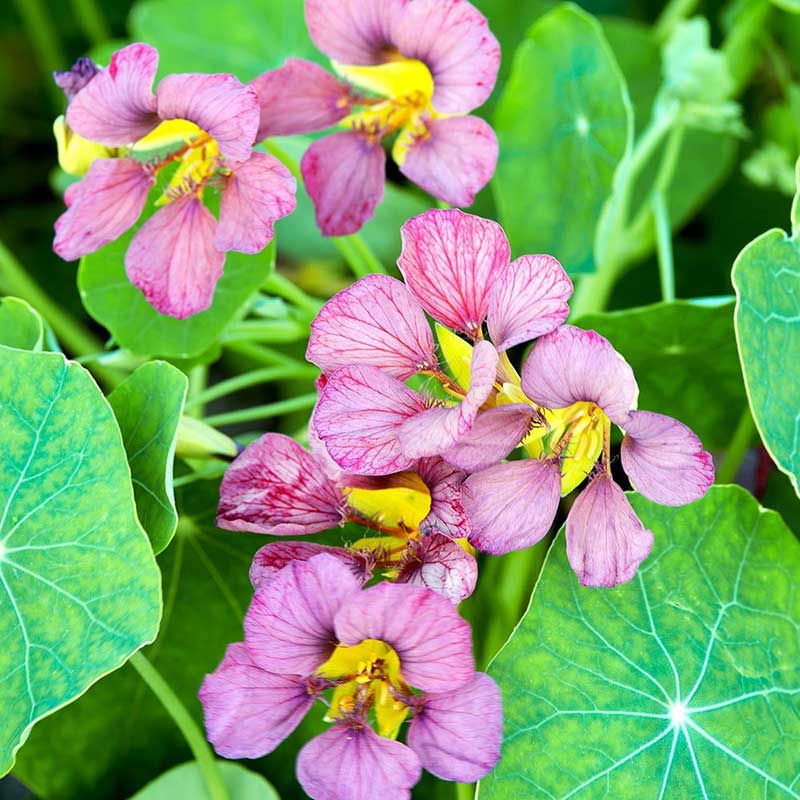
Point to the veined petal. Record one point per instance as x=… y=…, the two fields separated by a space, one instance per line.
x=256 y=194
x=172 y=258
x=665 y=460
x=300 y=97
x=117 y=106
x=351 y=762
x=571 y=364
x=528 y=300
x=453 y=159
x=606 y=541
x=375 y=321
x=221 y=105
x=277 y=487
x=358 y=416
x=433 y=642
x=457 y=734
x=444 y=482
x=512 y=506
x=449 y=261
x=438 y=563
x=345 y=175
x=102 y=206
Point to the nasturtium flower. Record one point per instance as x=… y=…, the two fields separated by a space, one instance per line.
x=385 y=656
x=413 y=69
x=189 y=141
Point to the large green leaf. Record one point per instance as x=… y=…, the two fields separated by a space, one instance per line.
x=564 y=123
x=148 y=406
x=79 y=588
x=685 y=361
x=20 y=325
x=684 y=683
x=186 y=781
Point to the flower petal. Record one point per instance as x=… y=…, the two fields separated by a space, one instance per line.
x=351 y=762
x=72 y=80
x=101 y=207
x=606 y=542
x=440 y=564
x=512 y=506
x=358 y=416
x=457 y=735
x=249 y=712
x=433 y=642
x=571 y=365
x=375 y=321
x=665 y=460
x=277 y=487
x=528 y=300
x=289 y=627
x=449 y=261
x=299 y=97
x=454 y=158
x=256 y=193
x=345 y=174
x=447 y=515
x=220 y=104
x=172 y=258
x=117 y=106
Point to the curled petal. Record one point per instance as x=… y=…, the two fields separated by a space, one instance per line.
x=433 y=642
x=449 y=261
x=512 y=506
x=277 y=487
x=606 y=541
x=172 y=258
x=375 y=321
x=300 y=97
x=72 y=80
x=453 y=160
x=101 y=207
x=345 y=174
x=117 y=106
x=457 y=735
x=447 y=515
x=351 y=762
x=665 y=460
x=441 y=564
x=528 y=300
x=571 y=365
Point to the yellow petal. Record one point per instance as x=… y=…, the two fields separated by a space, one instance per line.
x=405 y=77
x=457 y=354
x=389 y=713
x=392 y=507
x=168 y=134
x=76 y=154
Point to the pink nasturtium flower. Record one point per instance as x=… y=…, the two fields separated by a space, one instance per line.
x=382 y=655
x=414 y=69
x=193 y=137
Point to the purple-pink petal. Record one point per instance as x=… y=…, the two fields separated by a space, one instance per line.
x=72 y=80
x=606 y=541
x=528 y=300
x=433 y=642
x=375 y=321
x=665 y=460
x=512 y=506
x=102 y=206
x=345 y=175
x=117 y=106
x=172 y=258
x=255 y=195
x=277 y=487
x=571 y=365
x=351 y=762
x=438 y=563
x=457 y=734
x=447 y=515
x=454 y=159
x=449 y=261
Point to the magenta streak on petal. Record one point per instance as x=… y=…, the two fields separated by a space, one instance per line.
x=447 y=515
x=440 y=564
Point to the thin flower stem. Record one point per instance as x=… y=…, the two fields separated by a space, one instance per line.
x=465 y=791
x=739 y=446
x=280 y=331
x=281 y=286
x=198 y=377
x=673 y=13
x=666 y=266
x=90 y=17
x=254 y=378
x=358 y=255
x=215 y=469
x=188 y=727
x=259 y=354
x=276 y=150
x=267 y=411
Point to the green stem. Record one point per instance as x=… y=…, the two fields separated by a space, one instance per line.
x=675 y=11
x=666 y=266
x=214 y=469
x=281 y=286
x=188 y=727
x=45 y=42
x=273 y=330
x=267 y=411
x=198 y=378
x=358 y=255
x=465 y=791
x=254 y=378
x=738 y=448
x=259 y=354
x=276 y=150
x=741 y=44
x=90 y=18
x=594 y=291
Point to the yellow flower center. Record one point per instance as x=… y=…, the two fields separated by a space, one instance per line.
x=402 y=505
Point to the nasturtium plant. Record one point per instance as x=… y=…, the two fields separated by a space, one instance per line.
x=665 y=687
x=187 y=781
x=79 y=587
x=20 y=325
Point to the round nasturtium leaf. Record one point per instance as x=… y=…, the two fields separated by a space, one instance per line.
x=683 y=683
x=186 y=781
x=79 y=587
x=20 y=325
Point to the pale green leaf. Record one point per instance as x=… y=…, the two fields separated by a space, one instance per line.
x=186 y=781
x=20 y=325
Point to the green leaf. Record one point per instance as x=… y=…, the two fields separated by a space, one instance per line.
x=79 y=588
x=186 y=781
x=564 y=123
x=685 y=361
x=683 y=683
x=20 y=325
x=148 y=406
